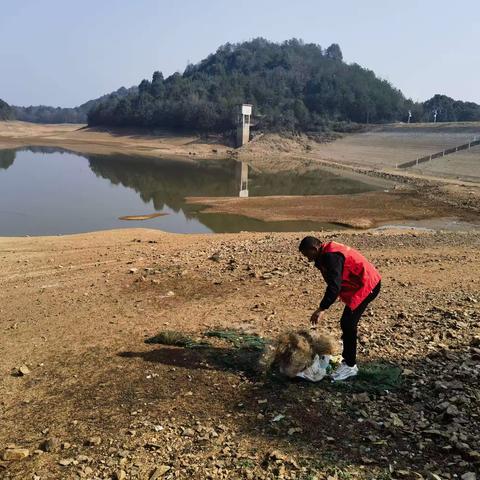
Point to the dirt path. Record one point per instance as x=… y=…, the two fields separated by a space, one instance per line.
x=77 y=309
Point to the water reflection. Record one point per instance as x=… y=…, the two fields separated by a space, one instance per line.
x=46 y=190
x=7 y=157
x=243 y=168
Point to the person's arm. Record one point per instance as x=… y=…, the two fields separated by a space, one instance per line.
x=333 y=276
x=333 y=270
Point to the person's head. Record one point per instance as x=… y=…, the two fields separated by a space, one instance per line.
x=310 y=247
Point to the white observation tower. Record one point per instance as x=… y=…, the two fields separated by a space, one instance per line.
x=243 y=124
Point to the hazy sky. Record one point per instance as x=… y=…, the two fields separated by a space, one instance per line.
x=65 y=52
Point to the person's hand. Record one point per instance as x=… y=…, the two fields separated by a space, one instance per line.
x=317 y=316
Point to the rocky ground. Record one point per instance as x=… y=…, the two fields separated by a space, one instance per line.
x=84 y=397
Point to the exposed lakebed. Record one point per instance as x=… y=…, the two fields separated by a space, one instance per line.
x=49 y=191
x=53 y=191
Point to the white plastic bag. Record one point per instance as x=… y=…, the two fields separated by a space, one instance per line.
x=317 y=370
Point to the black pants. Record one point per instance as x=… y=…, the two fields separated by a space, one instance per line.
x=349 y=322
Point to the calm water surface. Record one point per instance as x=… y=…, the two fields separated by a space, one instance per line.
x=45 y=191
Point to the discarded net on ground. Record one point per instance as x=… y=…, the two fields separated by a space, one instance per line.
x=239 y=351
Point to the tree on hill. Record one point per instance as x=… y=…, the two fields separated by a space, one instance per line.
x=450 y=110
x=334 y=52
x=45 y=114
x=292 y=85
x=6 y=112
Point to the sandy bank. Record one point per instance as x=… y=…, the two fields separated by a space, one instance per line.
x=364 y=210
x=106 y=141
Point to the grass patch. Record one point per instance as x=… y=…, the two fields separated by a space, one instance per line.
x=239 y=339
x=178 y=339
x=241 y=353
x=373 y=378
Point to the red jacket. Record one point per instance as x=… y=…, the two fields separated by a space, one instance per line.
x=359 y=276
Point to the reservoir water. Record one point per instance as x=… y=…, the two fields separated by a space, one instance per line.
x=47 y=191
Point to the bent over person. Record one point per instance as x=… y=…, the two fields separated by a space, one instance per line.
x=350 y=276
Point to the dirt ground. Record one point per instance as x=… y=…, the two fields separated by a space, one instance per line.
x=356 y=211
x=97 y=402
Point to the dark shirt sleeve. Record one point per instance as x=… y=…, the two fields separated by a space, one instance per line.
x=332 y=264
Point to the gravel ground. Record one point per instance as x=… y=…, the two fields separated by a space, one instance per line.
x=83 y=395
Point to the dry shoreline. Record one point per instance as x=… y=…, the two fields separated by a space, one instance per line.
x=356 y=211
x=419 y=196
x=79 y=138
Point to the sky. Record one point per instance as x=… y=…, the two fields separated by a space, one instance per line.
x=65 y=52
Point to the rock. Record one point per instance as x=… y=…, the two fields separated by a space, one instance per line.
x=133 y=270
x=469 y=476
x=362 y=397
x=51 y=444
x=473 y=456
x=120 y=475
x=397 y=422
x=93 y=441
x=188 y=432
x=159 y=472
x=452 y=410
x=20 y=371
x=215 y=257
x=65 y=462
x=276 y=456
x=15 y=454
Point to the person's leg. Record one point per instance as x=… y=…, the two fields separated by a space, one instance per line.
x=348 y=368
x=349 y=324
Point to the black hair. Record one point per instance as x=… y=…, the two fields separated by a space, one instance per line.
x=308 y=243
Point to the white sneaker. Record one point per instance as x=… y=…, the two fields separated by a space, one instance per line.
x=343 y=372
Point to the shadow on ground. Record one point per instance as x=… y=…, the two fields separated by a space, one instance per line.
x=320 y=425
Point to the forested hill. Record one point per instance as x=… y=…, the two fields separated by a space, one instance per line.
x=292 y=85
x=6 y=112
x=45 y=114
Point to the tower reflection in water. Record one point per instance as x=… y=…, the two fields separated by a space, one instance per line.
x=242 y=172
